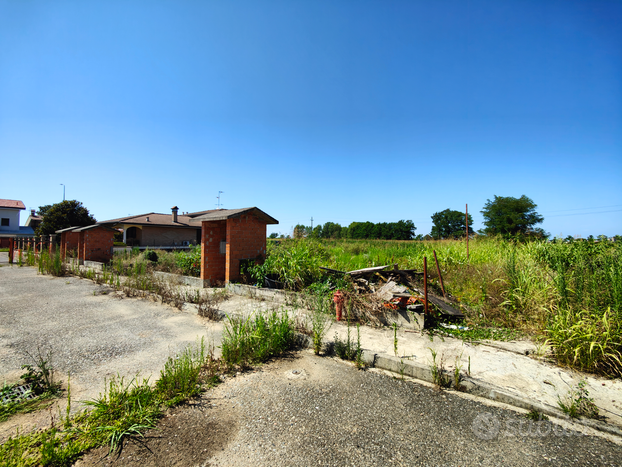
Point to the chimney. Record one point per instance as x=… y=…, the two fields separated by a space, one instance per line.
x=32 y=212
x=174 y=209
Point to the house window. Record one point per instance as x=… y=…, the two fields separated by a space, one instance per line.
x=5 y=222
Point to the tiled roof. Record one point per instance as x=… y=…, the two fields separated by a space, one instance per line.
x=155 y=219
x=224 y=214
x=11 y=203
x=190 y=220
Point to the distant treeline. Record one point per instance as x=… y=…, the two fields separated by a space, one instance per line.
x=401 y=230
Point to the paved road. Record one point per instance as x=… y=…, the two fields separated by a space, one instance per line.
x=329 y=413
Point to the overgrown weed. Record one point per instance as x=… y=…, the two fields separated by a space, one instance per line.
x=578 y=403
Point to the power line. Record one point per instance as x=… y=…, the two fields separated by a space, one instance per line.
x=584 y=213
x=584 y=209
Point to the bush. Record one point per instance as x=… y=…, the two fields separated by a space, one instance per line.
x=257 y=338
x=190 y=261
x=151 y=255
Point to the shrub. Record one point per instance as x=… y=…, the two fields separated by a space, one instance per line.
x=151 y=255
x=189 y=262
x=257 y=338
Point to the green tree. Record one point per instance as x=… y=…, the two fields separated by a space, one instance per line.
x=449 y=224
x=300 y=231
x=317 y=231
x=510 y=216
x=273 y=235
x=69 y=213
x=331 y=230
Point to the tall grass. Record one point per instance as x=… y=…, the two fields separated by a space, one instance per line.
x=585 y=322
x=51 y=264
x=257 y=337
x=180 y=378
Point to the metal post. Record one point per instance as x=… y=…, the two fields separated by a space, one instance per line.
x=440 y=276
x=467 y=229
x=425 y=284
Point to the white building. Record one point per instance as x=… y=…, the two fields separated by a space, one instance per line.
x=9 y=221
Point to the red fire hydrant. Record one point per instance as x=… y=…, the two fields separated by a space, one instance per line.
x=338 y=298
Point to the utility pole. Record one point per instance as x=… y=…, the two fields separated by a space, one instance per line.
x=218 y=197
x=63 y=191
x=311 y=223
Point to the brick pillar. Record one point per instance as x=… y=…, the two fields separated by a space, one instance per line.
x=81 y=248
x=246 y=239
x=52 y=237
x=11 y=246
x=212 y=260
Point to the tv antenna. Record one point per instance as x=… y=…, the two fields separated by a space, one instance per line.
x=218 y=197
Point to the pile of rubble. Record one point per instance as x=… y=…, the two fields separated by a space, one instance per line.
x=379 y=294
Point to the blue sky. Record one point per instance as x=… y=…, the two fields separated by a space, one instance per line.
x=337 y=110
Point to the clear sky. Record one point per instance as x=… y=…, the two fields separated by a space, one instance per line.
x=334 y=110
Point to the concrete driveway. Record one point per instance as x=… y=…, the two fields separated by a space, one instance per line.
x=91 y=334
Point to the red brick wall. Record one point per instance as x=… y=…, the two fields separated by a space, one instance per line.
x=80 y=247
x=212 y=261
x=68 y=242
x=98 y=244
x=246 y=239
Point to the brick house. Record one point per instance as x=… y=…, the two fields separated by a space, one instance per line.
x=69 y=241
x=160 y=230
x=92 y=243
x=230 y=237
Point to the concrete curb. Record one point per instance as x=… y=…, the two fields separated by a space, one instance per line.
x=478 y=388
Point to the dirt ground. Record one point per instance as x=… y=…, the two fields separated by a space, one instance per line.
x=187 y=435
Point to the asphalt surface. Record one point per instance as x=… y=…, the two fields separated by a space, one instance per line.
x=311 y=410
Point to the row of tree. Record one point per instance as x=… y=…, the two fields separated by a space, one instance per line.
x=401 y=230
x=504 y=215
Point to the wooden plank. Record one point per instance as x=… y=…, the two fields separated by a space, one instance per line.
x=359 y=272
x=334 y=271
x=445 y=308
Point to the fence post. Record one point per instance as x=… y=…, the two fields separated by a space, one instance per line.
x=425 y=284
